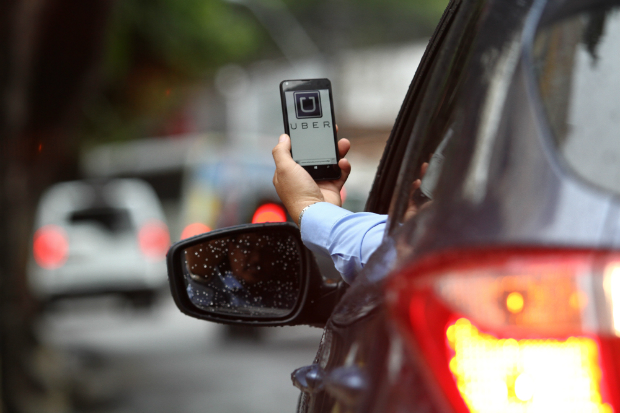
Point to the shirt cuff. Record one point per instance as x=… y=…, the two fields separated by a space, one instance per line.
x=316 y=224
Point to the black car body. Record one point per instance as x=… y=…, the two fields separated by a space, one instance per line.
x=516 y=256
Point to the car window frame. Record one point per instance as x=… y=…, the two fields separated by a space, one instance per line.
x=383 y=188
x=441 y=76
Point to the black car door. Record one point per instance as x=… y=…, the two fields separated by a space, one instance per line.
x=340 y=341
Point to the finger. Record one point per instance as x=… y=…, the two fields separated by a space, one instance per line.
x=415 y=185
x=282 y=151
x=343 y=147
x=345 y=168
x=423 y=169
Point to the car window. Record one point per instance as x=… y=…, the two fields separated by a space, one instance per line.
x=577 y=67
x=105 y=217
x=385 y=182
x=437 y=123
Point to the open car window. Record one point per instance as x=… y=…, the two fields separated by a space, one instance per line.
x=437 y=123
x=383 y=188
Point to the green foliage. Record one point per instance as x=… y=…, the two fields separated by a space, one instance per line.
x=186 y=36
x=155 y=49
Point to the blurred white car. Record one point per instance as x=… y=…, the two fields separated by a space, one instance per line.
x=99 y=237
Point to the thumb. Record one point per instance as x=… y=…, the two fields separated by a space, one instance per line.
x=282 y=151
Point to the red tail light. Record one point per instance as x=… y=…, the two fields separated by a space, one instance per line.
x=516 y=331
x=50 y=247
x=269 y=213
x=194 y=229
x=154 y=239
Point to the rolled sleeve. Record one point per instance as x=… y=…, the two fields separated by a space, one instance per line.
x=349 y=238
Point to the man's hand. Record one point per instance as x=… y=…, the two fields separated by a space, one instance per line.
x=412 y=208
x=295 y=186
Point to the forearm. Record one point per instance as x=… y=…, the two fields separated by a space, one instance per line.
x=348 y=238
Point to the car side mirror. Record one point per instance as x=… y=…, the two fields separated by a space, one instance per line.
x=254 y=274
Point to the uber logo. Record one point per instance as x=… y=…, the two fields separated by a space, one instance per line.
x=307 y=104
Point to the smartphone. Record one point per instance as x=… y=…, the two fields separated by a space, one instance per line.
x=308 y=110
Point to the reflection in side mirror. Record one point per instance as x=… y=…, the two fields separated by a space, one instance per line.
x=253 y=274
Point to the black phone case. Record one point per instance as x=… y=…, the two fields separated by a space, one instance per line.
x=317 y=172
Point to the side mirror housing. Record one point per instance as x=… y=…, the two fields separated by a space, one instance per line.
x=254 y=274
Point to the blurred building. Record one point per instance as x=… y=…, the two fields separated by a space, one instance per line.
x=369 y=86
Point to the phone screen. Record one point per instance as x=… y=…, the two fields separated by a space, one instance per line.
x=309 y=122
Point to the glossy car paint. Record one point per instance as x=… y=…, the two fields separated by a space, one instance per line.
x=503 y=184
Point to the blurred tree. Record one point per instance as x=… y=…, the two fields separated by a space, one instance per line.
x=50 y=52
x=156 y=49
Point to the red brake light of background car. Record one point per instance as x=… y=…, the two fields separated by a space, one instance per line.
x=516 y=331
x=154 y=240
x=269 y=213
x=194 y=229
x=50 y=247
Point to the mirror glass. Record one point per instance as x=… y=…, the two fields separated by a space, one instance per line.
x=254 y=274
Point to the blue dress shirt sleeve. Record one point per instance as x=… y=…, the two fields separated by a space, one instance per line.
x=349 y=238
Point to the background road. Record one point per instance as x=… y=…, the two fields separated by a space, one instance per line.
x=123 y=360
